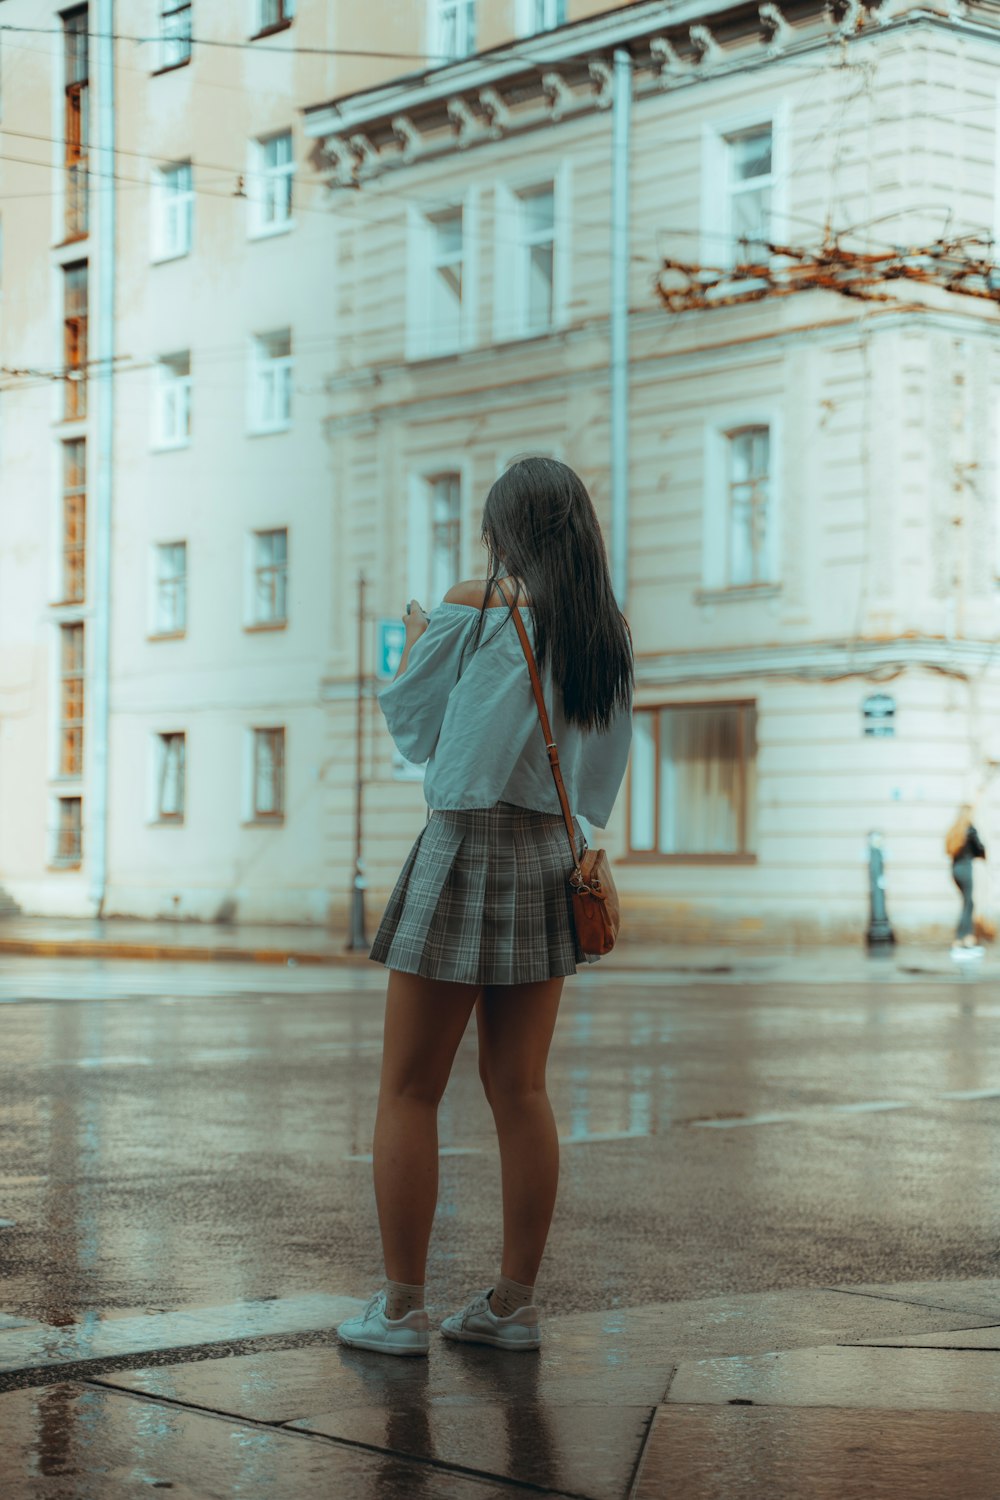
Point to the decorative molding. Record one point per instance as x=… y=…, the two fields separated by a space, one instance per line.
x=710 y=54
x=559 y=94
x=818 y=660
x=409 y=137
x=782 y=34
x=604 y=78
x=468 y=125
x=496 y=110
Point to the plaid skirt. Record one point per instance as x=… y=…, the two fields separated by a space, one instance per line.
x=483 y=898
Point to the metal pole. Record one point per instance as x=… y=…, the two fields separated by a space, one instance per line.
x=357 y=937
x=104 y=350
x=620 y=152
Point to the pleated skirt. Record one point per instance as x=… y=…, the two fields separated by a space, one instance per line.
x=483 y=898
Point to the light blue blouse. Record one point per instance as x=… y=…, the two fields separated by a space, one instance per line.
x=477 y=727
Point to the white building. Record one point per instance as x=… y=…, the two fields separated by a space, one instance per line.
x=813 y=548
x=334 y=323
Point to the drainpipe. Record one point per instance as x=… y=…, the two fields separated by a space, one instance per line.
x=620 y=164
x=104 y=349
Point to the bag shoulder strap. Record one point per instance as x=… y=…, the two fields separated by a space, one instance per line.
x=551 y=749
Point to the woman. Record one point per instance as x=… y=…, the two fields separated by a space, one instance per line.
x=480 y=916
x=963 y=844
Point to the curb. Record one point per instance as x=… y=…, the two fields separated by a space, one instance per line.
x=187 y=952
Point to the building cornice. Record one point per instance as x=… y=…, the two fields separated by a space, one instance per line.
x=565 y=73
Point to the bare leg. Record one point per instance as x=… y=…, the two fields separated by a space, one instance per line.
x=425 y=1020
x=516 y=1023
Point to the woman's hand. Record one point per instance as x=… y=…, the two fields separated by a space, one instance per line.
x=415 y=621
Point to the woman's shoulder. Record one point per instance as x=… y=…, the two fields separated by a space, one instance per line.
x=472 y=591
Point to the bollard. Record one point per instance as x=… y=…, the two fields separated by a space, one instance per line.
x=880 y=934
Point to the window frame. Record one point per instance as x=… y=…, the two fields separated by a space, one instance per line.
x=254 y=621
x=75 y=338
x=161 y=751
x=76 y=111
x=72 y=704
x=257 y=426
x=171 y=8
x=160 y=582
x=57 y=860
x=262 y=28
x=420 y=340
x=747 y=816
x=437 y=54
x=718 y=248
x=172 y=390
x=255 y=815
x=716 y=585
x=262 y=178
x=512 y=251
x=168 y=203
x=523 y=19
x=73 y=497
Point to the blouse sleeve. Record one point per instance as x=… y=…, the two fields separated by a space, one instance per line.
x=414 y=704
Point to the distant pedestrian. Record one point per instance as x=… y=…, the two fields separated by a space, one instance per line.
x=963 y=845
x=480 y=921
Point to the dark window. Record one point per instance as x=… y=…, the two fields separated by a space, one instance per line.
x=692 y=786
x=75 y=339
x=75 y=121
x=71 y=701
x=74 y=520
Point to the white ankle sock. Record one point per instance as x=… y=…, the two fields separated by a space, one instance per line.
x=401 y=1298
x=508 y=1296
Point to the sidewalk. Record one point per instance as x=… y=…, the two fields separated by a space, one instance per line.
x=122 y=937
x=886 y=1392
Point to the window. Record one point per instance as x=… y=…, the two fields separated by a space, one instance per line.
x=69 y=831
x=271 y=183
x=692 y=788
x=268 y=775
x=438 y=314
x=75 y=113
x=530 y=260
x=75 y=340
x=272 y=15
x=269 y=597
x=74 y=557
x=174 y=214
x=71 y=700
x=173 y=400
x=750 y=180
x=453 y=30
x=750 y=554
x=170 y=598
x=170 y=754
x=539 y=15
x=271 y=382
x=175 y=33
x=445 y=507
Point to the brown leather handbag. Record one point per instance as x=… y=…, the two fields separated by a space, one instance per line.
x=596 y=908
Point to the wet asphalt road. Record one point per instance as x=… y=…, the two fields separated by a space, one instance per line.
x=185 y=1135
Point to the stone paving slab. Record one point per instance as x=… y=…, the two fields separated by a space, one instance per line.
x=846 y=1376
x=980 y=1297
x=75 y=1442
x=772 y=1453
x=34 y=1345
x=956 y=1338
x=588 y=1452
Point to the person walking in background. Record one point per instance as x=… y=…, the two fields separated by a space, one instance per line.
x=963 y=845
x=481 y=917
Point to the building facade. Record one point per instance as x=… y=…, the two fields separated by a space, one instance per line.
x=812 y=531
x=349 y=288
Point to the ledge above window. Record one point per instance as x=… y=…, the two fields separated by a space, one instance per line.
x=738 y=591
x=272 y=30
x=256 y=626
x=171 y=67
x=166 y=635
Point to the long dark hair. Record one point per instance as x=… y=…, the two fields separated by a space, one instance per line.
x=540 y=526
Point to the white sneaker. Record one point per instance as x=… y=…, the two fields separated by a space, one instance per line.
x=477 y=1323
x=371 y=1329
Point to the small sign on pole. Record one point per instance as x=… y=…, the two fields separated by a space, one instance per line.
x=390 y=642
